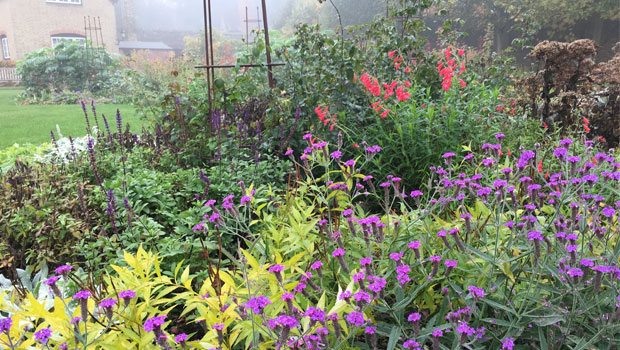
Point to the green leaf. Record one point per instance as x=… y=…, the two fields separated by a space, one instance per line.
x=542 y=340
x=185 y=275
x=548 y=320
x=394 y=336
x=499 y=306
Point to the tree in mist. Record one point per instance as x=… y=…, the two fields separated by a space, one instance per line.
x=561 y=20
x=313 y=11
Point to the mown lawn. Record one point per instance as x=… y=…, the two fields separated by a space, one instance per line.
x=32 y=123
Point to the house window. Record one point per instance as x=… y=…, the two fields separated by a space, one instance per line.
x=74 y=2
x=56 y=39
x=5 y=48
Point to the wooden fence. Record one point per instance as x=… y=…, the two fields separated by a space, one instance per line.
x=9 y=74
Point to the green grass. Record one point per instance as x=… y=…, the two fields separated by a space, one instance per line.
x=32 y=124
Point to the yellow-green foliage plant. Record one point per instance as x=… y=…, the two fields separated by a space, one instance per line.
x=217 y=302
x=139 y=292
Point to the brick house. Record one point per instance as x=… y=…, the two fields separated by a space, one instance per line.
x=28 y=25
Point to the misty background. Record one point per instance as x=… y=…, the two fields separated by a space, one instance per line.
x=499 y=21
x=229 y=16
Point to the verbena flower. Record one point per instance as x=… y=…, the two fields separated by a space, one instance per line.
x=508 y=343
x=63 y=270
x=299 y=288
x=51 y=281
x=154 y=323
x=338 y=252
x=349 y=163
x=356 y=318
x=315 y=314
x=396 y=256
x=5 y=325
x=411 y=344
x=414 y=317
x=43 y=335
x=476 y=292
x=284 y=321
x=450 y=264
x=107 y=305
x=82 y=297
x=378 y=284
x=180 y=338
x=276 y=268
x=127 y=295
x=257 y=304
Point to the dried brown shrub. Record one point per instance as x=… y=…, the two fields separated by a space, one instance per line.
x=570 y=86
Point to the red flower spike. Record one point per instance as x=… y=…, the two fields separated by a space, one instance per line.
x=356 y=145
x=463 y=84
x=601 y=139
x=586 y=121
x=545 y=125
x=384 y=114
x=586 y=128
x=320 y=112
x=540 y=169
x=446 y=84
x=391 y=54
x=508 y=152
x=407 y=70
x=547 y=174
x=461 y=52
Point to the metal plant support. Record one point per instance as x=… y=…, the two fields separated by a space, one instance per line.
x=93 y=35
x=210 y=65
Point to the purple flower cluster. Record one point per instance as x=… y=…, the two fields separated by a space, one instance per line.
x=154 y=323
x=257 y=304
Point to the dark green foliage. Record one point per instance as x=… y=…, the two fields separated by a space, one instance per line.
x=68 y=66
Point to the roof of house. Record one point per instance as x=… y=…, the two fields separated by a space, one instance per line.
x=143 y=45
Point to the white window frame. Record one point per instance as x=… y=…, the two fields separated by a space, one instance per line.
x=70 y=2
x=6 y=54
x=56 y=39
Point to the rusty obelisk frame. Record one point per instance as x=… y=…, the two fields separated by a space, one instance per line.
x=210 y=65
x=247 y=22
